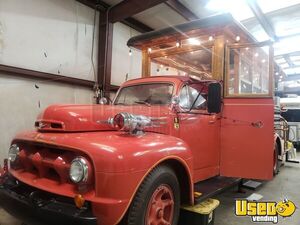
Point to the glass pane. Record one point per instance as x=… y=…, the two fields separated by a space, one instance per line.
x=190 y=96
x=153 y=94
x=194 y=63
x=248 y=71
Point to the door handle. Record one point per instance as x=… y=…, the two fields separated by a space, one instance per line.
x=212 y=121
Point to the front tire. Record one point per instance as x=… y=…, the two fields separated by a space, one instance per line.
x=157 y=201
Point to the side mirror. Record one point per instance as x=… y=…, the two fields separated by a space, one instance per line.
x=103 y=101
x=214 y=98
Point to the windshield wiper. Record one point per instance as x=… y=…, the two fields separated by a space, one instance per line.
x=143 y=103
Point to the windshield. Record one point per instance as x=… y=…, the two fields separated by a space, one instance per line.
x=148 y=94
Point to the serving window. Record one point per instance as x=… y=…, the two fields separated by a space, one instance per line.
x=248 y=71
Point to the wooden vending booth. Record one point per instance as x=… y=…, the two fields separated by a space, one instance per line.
x=220 y=48
x=217 y=48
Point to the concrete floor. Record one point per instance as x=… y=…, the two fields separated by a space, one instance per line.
x=285 y=185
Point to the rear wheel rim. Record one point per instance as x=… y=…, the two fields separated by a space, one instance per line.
x=160 y=210
x=275 y=158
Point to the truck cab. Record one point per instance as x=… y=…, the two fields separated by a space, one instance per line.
x=137 y=160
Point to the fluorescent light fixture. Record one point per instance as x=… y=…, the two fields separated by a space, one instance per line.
x=295 y=58
x=280 y=61
x=284 y=66
x=271 y=5
x=292 y=71
x=287 y=45
x=237 y=8
x=194 y=41
x=297 y=63
x=259 y=33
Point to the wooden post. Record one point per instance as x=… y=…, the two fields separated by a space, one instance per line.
x=104 y=52
x=146 y=64
x=218 y=58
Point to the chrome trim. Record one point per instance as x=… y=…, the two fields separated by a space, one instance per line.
x=17 y=150
x=84 y=164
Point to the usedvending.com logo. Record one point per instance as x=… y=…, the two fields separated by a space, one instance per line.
x=264 y=211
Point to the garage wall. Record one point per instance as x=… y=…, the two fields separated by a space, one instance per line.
x=21 y=100
x=124 y=65
x=51 y=36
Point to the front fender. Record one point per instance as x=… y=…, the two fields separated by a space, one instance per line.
x=138 y=156
x=121 y=163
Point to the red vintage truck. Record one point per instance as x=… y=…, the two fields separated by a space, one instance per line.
x=137 y=160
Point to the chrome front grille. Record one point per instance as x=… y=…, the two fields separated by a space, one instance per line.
x=45 y=162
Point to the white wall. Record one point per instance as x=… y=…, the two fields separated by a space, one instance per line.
x=122 y=63
x=21 y=102
x=29 y=29
x=53 y=36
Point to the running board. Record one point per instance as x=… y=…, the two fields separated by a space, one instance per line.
x=213 y=186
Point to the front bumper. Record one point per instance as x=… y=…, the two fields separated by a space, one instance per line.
x=37 y=207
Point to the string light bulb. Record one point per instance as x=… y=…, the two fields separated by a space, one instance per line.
x=211 y=38
x=130 y=52
x=177 y=44
x=149 y=50
x=237 y=38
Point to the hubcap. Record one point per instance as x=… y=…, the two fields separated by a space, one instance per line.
x=160 y=208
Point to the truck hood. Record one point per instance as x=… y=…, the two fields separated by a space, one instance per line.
x=83 y=118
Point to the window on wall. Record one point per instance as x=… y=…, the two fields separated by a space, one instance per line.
x=248 y=71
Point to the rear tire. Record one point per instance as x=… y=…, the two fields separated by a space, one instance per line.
x=157 y=200
x=276 y=162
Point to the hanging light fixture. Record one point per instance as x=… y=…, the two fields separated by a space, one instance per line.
x=130 y=52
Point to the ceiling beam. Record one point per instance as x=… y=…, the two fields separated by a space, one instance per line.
x=181 y=10
x=105 y=40
x=263 y=20
x=131 y=22
x=137 y=25
x=100 y=5
x=128 y=8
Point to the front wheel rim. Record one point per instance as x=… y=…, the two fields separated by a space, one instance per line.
x=160 y=210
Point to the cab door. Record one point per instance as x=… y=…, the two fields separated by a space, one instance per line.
x=247 y=124
x=200 y=130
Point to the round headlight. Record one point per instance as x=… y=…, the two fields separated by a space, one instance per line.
x=79 y=170
x=13 y=153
